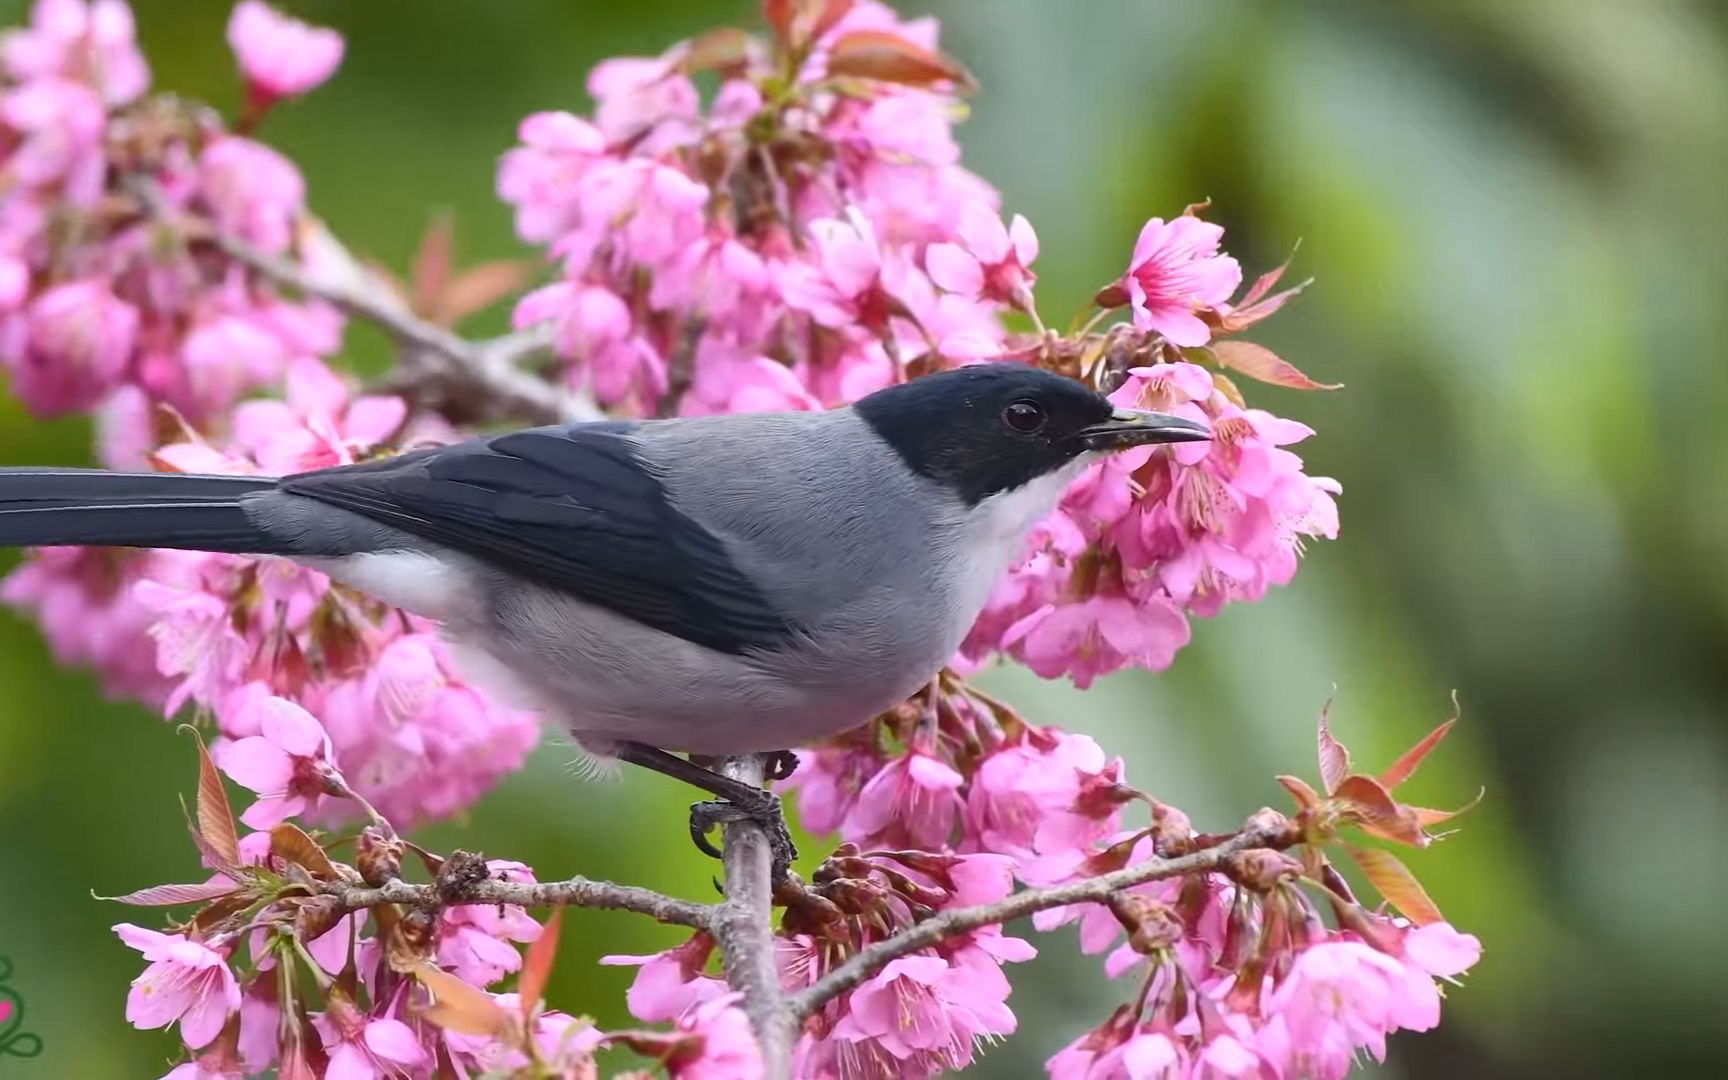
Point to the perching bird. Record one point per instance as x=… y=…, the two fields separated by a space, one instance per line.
x=713 y=585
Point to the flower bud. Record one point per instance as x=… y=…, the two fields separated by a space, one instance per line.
x=379 y=858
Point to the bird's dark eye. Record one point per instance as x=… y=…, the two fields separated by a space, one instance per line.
x=1024 y=416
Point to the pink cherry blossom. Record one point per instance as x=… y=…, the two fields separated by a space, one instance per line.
x=844 y=286
x=669 y=984
x=922 y=1010
x=80 y=342
x=541 y=178
x=94 y=43
x=365 y=1047
x=1045 y=793
x=1175 y=271
x=989 y=261
x=913 y=802
x=286 y=765
x=187 y=981
x=726 y=1048
x=279 y=56
x=253 y=192
x=1098 y=636
x=474 y=942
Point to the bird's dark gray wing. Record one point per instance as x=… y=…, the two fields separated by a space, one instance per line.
x=573 y=508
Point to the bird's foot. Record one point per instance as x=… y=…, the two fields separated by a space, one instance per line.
x=779 y=764
x=764 y=811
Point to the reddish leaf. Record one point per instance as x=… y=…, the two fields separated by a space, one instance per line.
x=1300 y=791
x=717 y=50
x=1426 y=816
x=1334 y=758
x=170 y=895
x=1397 y=884
x=479 y=287
x=537 y=965
x=888 y=57
x=430 y=273
x=1402 y=769
x=458 y=1007
x=290 y=842
x=778 y=15
x=215 y=817
x=1259 y=362
x=1264 y=283
x=829 y=17
x=1365 y=794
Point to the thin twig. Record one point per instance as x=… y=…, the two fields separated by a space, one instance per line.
x=743 y=928
x=958 y=921
x=575 y=892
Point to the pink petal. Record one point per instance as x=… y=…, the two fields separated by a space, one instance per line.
x=291 y=727
x=982 y=232
x=152 y=943
x=394 y=1041
x=256 y=763
x=218 y=997
x=1180 y=327
x=159 y=996
x=1441 y=950
x=350 y=1062
x=1024 y=239
x=373 y=418
x=952 y=268
x=314 y=389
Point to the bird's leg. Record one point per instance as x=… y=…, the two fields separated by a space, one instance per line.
x=742 y=802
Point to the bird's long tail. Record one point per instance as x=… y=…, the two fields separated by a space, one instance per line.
x=95 y=507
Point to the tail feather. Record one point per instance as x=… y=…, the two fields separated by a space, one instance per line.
x=95 y=507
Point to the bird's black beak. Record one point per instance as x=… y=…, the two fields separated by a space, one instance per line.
x=1135 y=427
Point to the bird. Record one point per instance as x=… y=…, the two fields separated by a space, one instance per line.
x=717 y=585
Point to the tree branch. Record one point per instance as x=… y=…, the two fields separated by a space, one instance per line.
x=742 y=925
x=871 y=959
x=458 y=884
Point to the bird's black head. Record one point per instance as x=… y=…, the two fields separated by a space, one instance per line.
x=991 y=428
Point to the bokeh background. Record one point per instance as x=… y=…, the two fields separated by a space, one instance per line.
x=1515 y=212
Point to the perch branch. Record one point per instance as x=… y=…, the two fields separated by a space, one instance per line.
x=464 y=880
x=742 y=925
x=873 y=958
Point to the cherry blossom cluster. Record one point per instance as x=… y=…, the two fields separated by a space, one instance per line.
x=117 y=309
x=274 y=974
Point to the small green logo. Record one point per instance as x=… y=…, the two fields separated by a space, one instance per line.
x=14 y=1040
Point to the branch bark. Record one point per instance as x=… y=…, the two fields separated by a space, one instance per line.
x=454 y=889
x=742 y=925
x=871 y=959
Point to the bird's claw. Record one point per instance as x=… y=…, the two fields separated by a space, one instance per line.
x=764 y=812
x=780 y=764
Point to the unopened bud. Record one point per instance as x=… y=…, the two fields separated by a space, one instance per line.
x=378 y=856
x=1151 y=925
x=1268 y=820
x=1113 y=295
x=856 y=896
x=1261 y=870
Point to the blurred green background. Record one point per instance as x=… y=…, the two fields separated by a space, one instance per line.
x=1515 y=211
